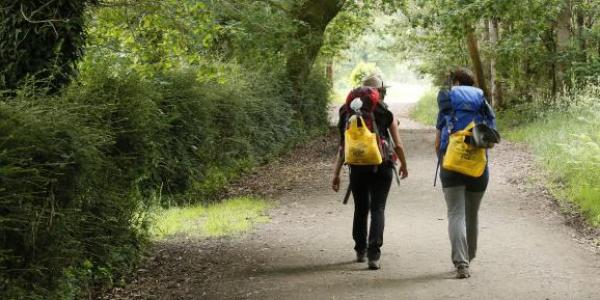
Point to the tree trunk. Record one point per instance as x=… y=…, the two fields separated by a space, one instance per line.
x=476 y=59
x=41 y=39
x=313 y=16
x=488 y=57
x=580 y=35
x=329 y=71
x=496 y=89
x=550 y=44
x=563 y=39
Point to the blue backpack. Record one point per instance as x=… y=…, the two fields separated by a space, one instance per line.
x=458 y=108
x=461 y=106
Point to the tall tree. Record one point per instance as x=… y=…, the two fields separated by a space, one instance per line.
x=473 y=46
x=42 y=39
x=495 y=85
x=563 y=41
x=313 y=17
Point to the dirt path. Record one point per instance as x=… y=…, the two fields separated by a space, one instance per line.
x=525 y=252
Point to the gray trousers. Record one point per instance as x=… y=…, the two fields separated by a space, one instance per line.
x=463 y=207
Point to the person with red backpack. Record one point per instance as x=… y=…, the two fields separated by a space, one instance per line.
x=370 y=181
x=462 y=107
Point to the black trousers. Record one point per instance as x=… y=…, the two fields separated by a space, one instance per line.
x=472 y=184
x=370 y=186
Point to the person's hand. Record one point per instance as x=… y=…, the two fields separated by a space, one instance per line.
x=403 y=172
x=335 y=183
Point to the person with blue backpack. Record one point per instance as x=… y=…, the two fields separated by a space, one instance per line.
x=462 y=107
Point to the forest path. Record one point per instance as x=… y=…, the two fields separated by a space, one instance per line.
x=305 y=252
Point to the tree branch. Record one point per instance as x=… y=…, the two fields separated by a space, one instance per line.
x=49 y=21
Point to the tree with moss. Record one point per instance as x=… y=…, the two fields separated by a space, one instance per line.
x=42 y=40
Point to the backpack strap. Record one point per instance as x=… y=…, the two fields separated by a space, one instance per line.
x=376 y=131
x=487 y=112
x=374 y=124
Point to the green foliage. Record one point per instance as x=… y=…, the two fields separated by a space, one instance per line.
x=79 y=171
x=65 y=198
x=346 y=28
x=40 y=39
x=174 y=99
x=426 y=110
x=529 y=58
x=152 y=36
x=567 y=144
x=361 y=72
x=230 y=217
x=256 y=29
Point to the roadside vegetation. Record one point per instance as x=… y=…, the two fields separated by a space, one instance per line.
x=227 y=218
x=425 y=111
x=118 y=115
x=566 y=142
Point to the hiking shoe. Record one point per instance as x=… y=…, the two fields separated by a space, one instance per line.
x=374 y=264
x=462 y=272
x=361 y=257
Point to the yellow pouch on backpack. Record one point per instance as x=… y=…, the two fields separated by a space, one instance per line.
x=361 y=146
x=462 y=157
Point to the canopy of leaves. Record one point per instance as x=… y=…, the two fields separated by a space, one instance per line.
x=152 y=36
x=527 y=55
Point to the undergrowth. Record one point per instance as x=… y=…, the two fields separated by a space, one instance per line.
x=82 y=170
x=230 y=217
x=566 y=142
x=426 y=109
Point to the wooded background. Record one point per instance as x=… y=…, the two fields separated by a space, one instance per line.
x=521 y=51
x=112 y=107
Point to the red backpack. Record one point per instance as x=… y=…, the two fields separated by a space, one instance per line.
x=376 y=115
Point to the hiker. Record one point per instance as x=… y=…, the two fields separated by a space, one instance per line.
x=459 y=106
x=370 y=184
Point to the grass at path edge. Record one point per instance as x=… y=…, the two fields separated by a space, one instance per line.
x=425 y=110
x=227 y=218
x=567 y=145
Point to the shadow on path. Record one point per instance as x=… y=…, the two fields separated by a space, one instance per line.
x=307 y=269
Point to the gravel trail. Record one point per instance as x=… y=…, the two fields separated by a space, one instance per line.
x=526 y=251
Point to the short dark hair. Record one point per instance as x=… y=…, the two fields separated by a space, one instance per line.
x=464 y=76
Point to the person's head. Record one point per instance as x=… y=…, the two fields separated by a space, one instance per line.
x=462 y=76
x=375 y=81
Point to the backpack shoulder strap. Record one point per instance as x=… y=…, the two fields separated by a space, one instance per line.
x=384 y=115
x=344 y=116
x=374 y=122
x=487 y=112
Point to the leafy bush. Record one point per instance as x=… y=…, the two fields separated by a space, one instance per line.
x=166 y=110
x=361 y=71
x=63 y=201
x=81 y=170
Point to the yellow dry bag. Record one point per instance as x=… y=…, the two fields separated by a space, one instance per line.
x=361 y=146
x=463 y=157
